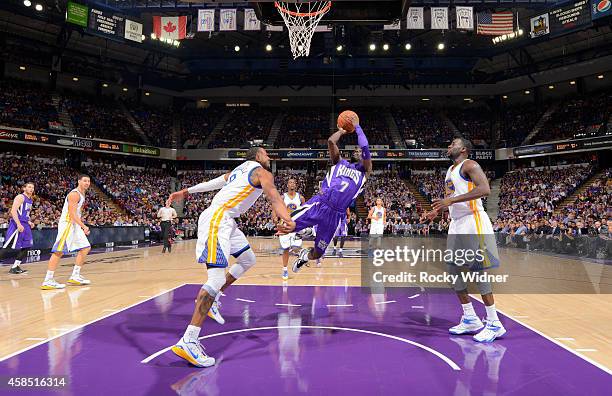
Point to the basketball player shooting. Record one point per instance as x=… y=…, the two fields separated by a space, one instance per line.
x=219 y=238
x=470 y=226
x=343 y=183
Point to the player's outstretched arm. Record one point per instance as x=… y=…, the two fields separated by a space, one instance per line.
x=332 y=145
x=211 y=185
x=366 y=157
x=266 y=181
x=481 y=187
x=17 y=202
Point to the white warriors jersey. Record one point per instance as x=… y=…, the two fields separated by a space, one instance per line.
x=456 y=184
x=65 y=217
x=377 y=216
x=292 y=203
x=238 y=194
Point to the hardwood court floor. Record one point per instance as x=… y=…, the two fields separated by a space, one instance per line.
x=120 y=279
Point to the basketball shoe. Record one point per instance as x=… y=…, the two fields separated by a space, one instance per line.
x=51 y=284
x=78 y=280
x=494 y=329
x=17 y=270
x=214 y=312
x=193 y=352
x=285 y=273
x=468 y=324
x=301 y=260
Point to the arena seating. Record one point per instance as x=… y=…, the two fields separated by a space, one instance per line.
x=156 y=124
x=422 y=125
x=197 y=124
x=26 y=105
x=474 y=123
x=581 y=116
x=99 y=118
x=53 y=180
x=304 y=128
x=246 y=124
x=517 y=122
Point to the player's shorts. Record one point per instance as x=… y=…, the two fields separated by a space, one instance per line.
x=473 y=232
x=377 y=229
x=342 y=229
x=289 y=241
x=70 y=238
x=218 y=238
x=320 y=213
x=18 y=240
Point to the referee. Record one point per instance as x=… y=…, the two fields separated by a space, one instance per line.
x=166 y=214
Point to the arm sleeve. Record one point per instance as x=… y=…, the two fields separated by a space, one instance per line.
x=362 y=140
x=211 y=185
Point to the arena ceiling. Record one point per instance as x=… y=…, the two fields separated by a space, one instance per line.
x=210 y=59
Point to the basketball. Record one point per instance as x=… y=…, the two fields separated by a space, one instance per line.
x=348 y=120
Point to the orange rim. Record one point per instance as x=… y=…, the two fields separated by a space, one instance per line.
x=303 y=14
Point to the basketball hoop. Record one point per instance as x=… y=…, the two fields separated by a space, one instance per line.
x=302 y=19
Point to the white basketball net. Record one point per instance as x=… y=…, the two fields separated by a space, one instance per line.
x=301 y=20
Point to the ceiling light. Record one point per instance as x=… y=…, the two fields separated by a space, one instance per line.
x=339 y=48
x=342 y=99
x=268 y=47
x=27 y=3
x=284 y=100
x=38 y=7
x=125 y=89
x=372 y=47
x=551 y=87
x=572 y=82
x=237 y=48
x=75 y=79
x=408 y=46
x=441 y=46
x=505 y=96
x=22 y=67
x=203 y=100
x=385 y=47
x=600 y=76
x=147 y=93
x=105 y=85
x=527 y=92
x=425 y=99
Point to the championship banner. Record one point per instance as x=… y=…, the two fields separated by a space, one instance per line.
x=206 y=20
x=415 y=18
x=539 y=26
x=601 y=8
x=250 y=20
x=569 y=17
x=227 y=19
x=465 y=18
x=133 y=31
x=439 y=18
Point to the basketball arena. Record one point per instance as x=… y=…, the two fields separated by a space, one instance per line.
x=214 y=197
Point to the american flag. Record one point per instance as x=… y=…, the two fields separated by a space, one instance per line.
x=495 y=23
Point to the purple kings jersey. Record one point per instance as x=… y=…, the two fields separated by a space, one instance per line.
x=343 y=183
x=23 y=212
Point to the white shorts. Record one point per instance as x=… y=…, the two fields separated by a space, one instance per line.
x=475 y=233
x=476 y=224
x=289 y=241
x=377 y=229
x=70 y=238
x=218 y=238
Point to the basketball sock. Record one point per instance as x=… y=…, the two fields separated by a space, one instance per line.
x=285 y=268
x=16 y=263
x=468 y=309
x=76 y=271
x=491 y=312
x=192 y=333
x=49 y=275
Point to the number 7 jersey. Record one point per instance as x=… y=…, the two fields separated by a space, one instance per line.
x=343 y=183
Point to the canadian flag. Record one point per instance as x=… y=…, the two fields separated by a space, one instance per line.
x=174 y=28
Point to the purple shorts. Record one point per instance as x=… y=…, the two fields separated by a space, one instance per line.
x=317 y=212
x=18 y=240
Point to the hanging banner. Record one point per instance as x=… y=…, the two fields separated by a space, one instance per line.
x=393 y=26
x=206 y=20
x=250 y=20
x=539 y=26
x=227 y=19
x=465 y=18
x=439 y=18
x=415 y=18
x=133 y=31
